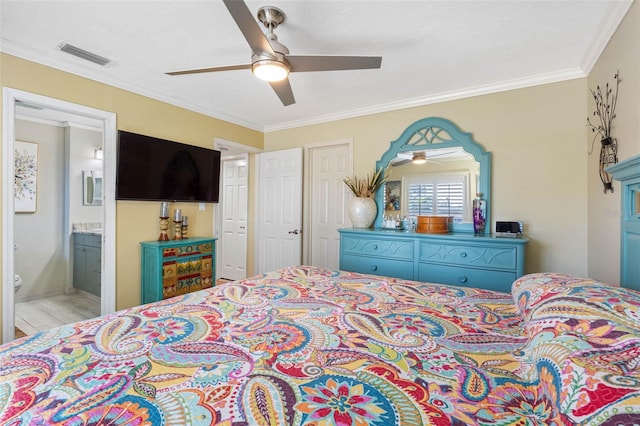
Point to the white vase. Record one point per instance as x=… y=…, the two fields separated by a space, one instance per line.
x=362 y=211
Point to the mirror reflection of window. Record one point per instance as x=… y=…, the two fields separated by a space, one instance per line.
x=447 y=183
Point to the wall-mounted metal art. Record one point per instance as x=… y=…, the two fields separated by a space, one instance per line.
x=604 y=113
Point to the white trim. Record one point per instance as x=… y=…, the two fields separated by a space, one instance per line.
x=470 y=92
x=218 y=142
x=255 y=217
x=615 y=15
x=217 y=217
x=307 y=208
x=8 y=132
x=10 y=96
x=20 y=51
x=56 y=123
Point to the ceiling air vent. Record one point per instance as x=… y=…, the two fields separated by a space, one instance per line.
x=83 y=54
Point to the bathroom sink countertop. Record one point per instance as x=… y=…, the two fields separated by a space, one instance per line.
x=94 y=228
x=88 y=231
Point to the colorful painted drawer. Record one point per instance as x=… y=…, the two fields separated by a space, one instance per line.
x=172 y=268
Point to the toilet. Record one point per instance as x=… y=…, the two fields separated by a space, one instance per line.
x=17 y=282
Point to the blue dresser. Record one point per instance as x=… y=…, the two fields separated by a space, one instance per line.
x=461 y=259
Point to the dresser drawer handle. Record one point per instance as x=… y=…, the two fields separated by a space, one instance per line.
x=374 y=267
x=463 y=254
x=463 y=279
x=375 y=247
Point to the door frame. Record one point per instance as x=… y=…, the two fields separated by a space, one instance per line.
x=9 y=98
x=307 y=196
x=217 y=208
x=221 y=235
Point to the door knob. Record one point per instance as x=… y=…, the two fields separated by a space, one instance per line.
x=295 y=232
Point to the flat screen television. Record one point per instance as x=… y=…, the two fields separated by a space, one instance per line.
x=152 y=169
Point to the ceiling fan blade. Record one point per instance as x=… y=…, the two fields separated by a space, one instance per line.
x=249 y=27
x=440 y=154
x=214 y=69
x=284 y=91
x=332 y=63
x=399 y=163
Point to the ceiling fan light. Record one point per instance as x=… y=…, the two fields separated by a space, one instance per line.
x=270 y=70
x=419 y=158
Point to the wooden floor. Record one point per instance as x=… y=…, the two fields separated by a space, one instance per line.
x=43 y=314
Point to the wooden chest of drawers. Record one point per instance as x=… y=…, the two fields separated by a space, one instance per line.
x=172 y=268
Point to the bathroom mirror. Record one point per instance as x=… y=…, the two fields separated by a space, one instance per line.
x=92 y=187
x=434 y=153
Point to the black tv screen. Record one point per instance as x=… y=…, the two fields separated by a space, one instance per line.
x=155 y=169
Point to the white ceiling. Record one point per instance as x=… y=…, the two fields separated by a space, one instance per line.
x=432 y=50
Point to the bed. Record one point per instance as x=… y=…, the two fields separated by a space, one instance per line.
x=306 y=345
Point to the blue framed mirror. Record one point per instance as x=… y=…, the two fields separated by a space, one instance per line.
x=433 y=152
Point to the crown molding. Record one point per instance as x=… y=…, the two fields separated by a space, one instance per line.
x=615 y=15
x=502 y=86
x=11 y=48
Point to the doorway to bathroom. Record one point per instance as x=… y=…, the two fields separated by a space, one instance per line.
x=54 y=149
x=61 y=141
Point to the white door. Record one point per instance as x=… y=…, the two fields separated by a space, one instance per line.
x=233 y=239
x=280 y=209
x=328 y=167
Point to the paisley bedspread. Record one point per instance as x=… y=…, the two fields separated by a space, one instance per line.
x=305 y=345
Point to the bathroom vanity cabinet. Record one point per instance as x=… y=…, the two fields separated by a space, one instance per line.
x=87 y=262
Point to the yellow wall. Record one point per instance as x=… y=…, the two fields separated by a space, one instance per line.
x=136 y=221
x=537 y=139
x=621 y=54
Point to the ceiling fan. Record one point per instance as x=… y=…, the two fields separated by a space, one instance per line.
x=271 y=61
x=418 y=157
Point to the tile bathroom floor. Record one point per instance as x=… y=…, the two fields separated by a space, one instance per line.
x=43 y=314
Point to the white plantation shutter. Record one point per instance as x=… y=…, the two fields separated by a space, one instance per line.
x=437 y=195
x=450 y=199
x=420 y=199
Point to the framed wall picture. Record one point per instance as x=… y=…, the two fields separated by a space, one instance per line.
x=392 y=195
x=26 y=177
